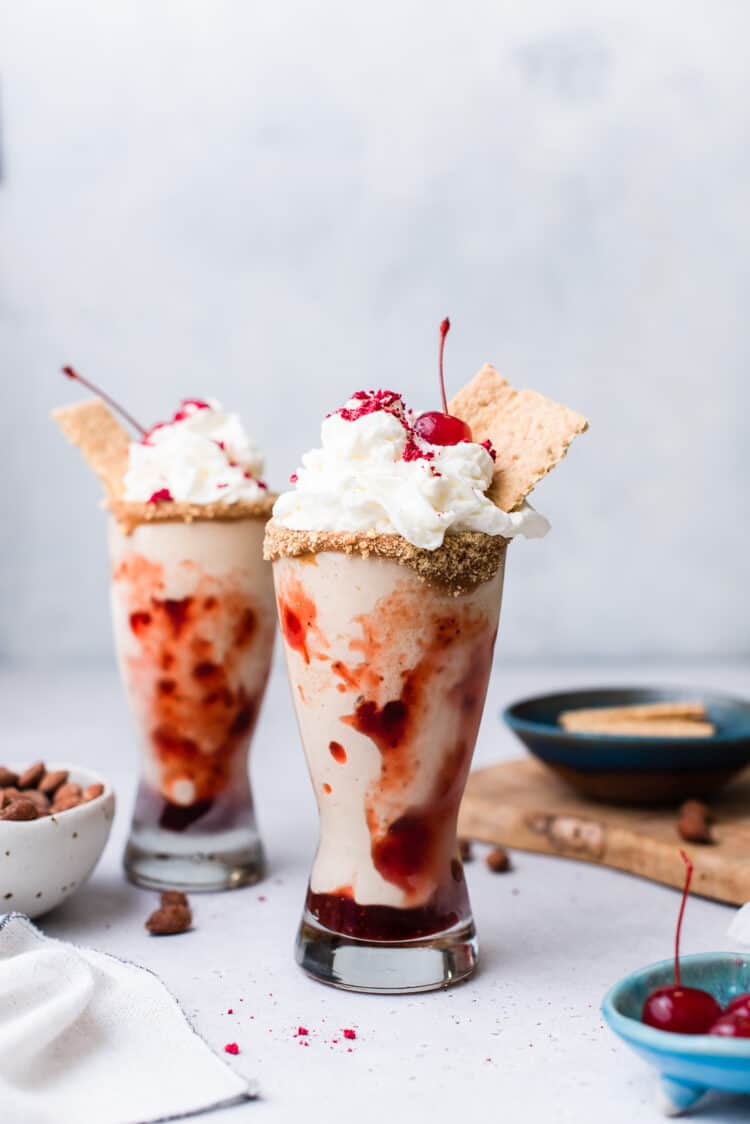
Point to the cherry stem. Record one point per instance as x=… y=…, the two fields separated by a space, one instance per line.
x=444 y=329
x=686 y=890
x=105 y=398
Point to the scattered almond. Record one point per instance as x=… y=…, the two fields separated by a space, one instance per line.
x=174 y=897
x=498 y=860
x=694 y=822
x=7 y=777
x=31 y=777
x=169 y=919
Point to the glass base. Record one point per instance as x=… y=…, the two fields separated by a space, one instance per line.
x=395 y=967
x=163 y=860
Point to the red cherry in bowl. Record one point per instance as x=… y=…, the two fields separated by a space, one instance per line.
x=739 y=1005
x=442 y=428
x=732 y=1025
x=681 y=1010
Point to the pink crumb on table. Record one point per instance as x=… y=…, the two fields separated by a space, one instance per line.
x=230 y=1010
x=231 y=1048
x=348 y=1033
x=302 y=1031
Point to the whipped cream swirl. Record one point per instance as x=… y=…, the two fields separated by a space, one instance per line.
x=374 y=473
x=201 y=456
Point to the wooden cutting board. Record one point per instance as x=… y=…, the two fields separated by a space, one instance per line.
x=521 y=804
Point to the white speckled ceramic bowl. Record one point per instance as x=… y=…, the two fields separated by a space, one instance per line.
x=44 y=861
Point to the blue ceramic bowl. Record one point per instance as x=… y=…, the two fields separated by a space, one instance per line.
x=689 y=1064
x=631 y=769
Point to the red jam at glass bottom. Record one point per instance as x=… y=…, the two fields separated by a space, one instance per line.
x=342 y=914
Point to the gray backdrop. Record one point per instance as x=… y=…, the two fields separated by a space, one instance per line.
x=276 y=203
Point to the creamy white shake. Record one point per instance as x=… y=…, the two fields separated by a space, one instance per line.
x=194 y=622
x=388 y=680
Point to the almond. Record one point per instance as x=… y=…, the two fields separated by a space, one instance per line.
x=67 y=790
x=31 y=777
x=19 y=809
x=694 y=822
x=65 y=804
x=50 y=782
x=169 y=919
x=38 y=799
x=92 y=791
x=174 y=897
x=498 y=860
x=7 y=777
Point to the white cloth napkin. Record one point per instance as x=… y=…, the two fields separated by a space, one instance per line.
x=86 y=1038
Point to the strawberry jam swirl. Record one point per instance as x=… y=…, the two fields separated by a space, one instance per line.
x=390 y=685
x=376 y=473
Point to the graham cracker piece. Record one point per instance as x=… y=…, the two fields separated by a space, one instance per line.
x=530 y=433
x=679 y=719
x=644 y=727
x=463 y=562
x=92 y=427
x=638 y=712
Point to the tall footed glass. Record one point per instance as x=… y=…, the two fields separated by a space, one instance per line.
x=194 y=622
x=388 y=675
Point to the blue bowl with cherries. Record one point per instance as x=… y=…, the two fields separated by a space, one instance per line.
x=689 y=1064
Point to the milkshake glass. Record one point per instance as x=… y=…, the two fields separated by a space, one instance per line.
x=388 y=673
x=193 y=618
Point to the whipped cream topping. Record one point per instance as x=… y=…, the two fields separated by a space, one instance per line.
x=201 y=456
x=374 y=473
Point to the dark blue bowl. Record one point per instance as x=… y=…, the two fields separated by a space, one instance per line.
x=630 y=769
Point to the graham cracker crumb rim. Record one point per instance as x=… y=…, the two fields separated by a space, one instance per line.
x=463 y=562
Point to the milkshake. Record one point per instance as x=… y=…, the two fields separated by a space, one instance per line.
x=389 y=675
x=388 y=558
x=194 y=621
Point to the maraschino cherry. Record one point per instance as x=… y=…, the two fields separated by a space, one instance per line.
x=72 y=374
x=740 y=1005
x=735 y=1022
x=681 y=1010
x=437 y=428
x=732 y=1024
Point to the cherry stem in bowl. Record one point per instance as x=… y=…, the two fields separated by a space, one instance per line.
x=73 y=374
x=683 y=903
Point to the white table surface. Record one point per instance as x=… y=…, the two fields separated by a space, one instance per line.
x=522 y=1041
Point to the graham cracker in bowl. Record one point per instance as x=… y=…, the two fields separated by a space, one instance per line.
x=651 y=720
x=530 y=433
